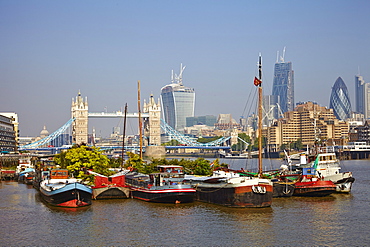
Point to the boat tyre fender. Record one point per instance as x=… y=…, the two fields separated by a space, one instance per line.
x=259 y=189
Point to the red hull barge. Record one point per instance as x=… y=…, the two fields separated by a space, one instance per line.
x=314 y=188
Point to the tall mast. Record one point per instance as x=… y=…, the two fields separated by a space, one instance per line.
x=140 y=123
x=123 y=138
x=260 y=116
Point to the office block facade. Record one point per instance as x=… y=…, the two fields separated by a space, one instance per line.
x=283 y=85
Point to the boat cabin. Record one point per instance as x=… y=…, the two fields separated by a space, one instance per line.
x=167 y=175
x=59 y=174
x=170 y=169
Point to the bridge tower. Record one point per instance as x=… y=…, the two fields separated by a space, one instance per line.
x=234 y=137
x=79 y=112
x=152 y=129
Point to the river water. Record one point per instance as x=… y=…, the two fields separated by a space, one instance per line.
x=337 y=220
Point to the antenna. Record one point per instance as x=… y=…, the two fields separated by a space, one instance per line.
x=172 y=78
x=178 y=78
x=277 y=56
x=180 y=75
x=282 y=57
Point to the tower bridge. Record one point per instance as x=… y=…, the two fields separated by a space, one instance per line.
x=152 y=125
x=117 y=114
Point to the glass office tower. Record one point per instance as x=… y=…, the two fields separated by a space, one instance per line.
x=178 y=102
x=360 y=93
x=283 y=85
x=367 y=100
x=339 y=100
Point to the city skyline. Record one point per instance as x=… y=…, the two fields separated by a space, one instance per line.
x=52 y=50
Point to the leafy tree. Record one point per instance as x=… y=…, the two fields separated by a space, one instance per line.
x=115 y=162
x=255 y=145
x=241 y=145
x=199 y=166
x=297 y=145
x=172 y=142
x=134 y=162
x=206 y=140
x=79 y=159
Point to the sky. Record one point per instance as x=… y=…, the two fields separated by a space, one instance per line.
x=51 y=50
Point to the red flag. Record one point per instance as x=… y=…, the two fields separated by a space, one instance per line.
x=257 y=82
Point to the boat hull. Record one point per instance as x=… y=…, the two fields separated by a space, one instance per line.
x=238 y=196
x=110 y=193
x=343 y=181
x=184 y=195
x=282 y=189
x=314 y=188
x=71 y=195
x=344 y=185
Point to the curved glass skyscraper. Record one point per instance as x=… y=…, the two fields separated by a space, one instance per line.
x=178 y=102
x=339 y=100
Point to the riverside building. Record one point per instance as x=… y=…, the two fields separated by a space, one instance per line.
x=8 y=135
x=310 y=123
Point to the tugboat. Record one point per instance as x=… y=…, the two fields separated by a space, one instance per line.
x=327 y=167
x=308 y=184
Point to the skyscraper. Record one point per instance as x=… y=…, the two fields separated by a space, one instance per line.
x=283 y=85
x=360 y=94
x=178 y=102
x=367 y=100
x=339 y=100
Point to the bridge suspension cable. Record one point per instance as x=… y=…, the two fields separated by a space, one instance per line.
x=174 y=134
x=49 y=138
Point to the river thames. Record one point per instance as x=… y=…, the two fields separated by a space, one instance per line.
x=336 y=220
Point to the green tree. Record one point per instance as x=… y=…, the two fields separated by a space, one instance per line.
x=255 y=145
x=206 y=140
x=201 y=166
x=298 y=144
x=241 y=145
x=79 y=159
x=172 y=142
x=115 y=162
x=134 y=162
